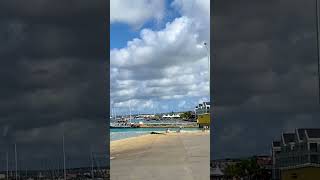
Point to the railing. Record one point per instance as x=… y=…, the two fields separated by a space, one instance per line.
x=295 y=158
x=202 y=111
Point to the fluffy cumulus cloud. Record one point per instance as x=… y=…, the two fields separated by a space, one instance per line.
x=137 y=12
x=167 y=66
x=199 y=10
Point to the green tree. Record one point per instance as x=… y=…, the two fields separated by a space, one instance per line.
x=186 y=115
x=245 y=168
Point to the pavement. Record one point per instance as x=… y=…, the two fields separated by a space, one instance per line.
x=182 y=156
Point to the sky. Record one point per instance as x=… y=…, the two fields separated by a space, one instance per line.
x=54 y=71
x=264 y=74
x=157 y=59
x=53 y=80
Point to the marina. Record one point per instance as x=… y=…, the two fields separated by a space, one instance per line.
x=127 y=126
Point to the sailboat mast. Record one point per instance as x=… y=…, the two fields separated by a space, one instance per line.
x=129 y=112
x=7 y=165
x=111 y=112
x=92 y=165
x=16 y=160
x=64 y=159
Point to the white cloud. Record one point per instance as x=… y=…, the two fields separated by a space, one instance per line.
x=161 y=66
x=199 y=11
x=136 y=12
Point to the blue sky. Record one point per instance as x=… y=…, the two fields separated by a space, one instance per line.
x=158 y=62
x=121 y=33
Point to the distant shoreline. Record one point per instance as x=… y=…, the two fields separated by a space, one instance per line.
x=162 y=126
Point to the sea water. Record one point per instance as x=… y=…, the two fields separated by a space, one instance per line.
x=122 y=133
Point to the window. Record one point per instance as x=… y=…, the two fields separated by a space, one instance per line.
x=313 y=147
x=314 y=159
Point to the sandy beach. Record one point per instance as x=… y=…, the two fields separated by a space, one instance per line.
x=167 y=156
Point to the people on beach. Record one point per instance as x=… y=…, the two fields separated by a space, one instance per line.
x=168 y=130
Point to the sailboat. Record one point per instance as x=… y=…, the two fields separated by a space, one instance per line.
x=122 y=123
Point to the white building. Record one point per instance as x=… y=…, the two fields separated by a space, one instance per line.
x=171 y=116
x=202 y=108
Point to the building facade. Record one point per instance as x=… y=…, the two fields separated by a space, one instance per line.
x=296 y=153
x=202 y=112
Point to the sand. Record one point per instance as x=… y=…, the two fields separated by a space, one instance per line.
x=128 y=145
x=167 y=156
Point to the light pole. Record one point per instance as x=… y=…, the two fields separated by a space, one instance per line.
x=208 y=55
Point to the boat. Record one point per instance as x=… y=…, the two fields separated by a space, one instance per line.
x=122 y=123
x=114 y=126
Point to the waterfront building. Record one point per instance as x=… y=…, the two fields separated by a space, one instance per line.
x=171 y=116
x=297 y=155
x=202 y=108
x=202 y=112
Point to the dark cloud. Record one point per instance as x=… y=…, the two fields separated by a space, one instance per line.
x=53 y=79
x=264 y=73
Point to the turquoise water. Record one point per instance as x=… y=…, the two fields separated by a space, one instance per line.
x=122 y=133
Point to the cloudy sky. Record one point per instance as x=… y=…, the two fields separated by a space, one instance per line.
x=264 y=73
x=158 y=61
x=54 y=79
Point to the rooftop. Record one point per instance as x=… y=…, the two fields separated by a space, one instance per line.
x=302 y=134
x=288 y=137
x=313 y=133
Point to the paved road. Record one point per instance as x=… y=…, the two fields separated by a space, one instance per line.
x=179 y=157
